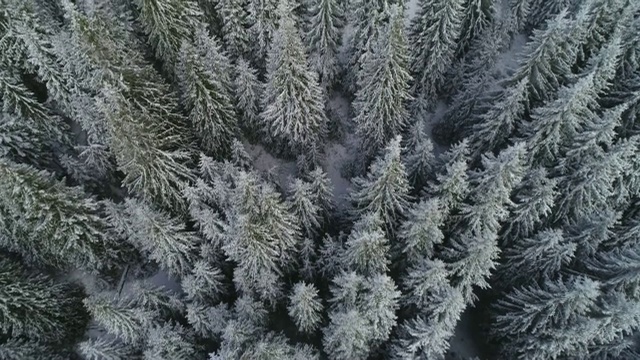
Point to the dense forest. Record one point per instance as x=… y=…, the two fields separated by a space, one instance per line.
x=319 y=179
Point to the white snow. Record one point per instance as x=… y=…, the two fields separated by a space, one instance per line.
x=283 y=171
x=462 y=344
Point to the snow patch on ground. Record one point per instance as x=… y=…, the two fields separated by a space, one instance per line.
x=336 y=157
x=282 y=171
x=410 y=11
x=463 y=344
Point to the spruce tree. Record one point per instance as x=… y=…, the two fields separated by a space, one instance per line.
x=419 y=158
x=263 y=20
x=477 y=15
x=422 y=230
x=247 y=95
x=206 y=92
x=452 y=181
x=433 y=36
x=50 y=223
x=235 y=32
x=381 y=100
x=143 y=125
x=168 y=24
x=305 y=207
x=305 y=307
x=324 y=39
x=367 y=247
x=103 y=349
x=293 y=107
x=34 y=306
x=128 y=323
x=154 y=233
x=384 y=192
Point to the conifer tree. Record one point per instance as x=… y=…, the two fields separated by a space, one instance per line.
x=322 y=190
x=383 y=88
x=422 y=230
x=22 y=141
x=433 y=36
x=128 y=323
x=419 y=158
x=533 y=203
x=477 y=15
x=263 y=21
x=143 y=125
x=548 y=58
x=206 y=92
x=324 y=39
x=496 y=125
x=305 y=208
x=205 y=282
x=157 y=235
x=171 y=341
x=305 y=307
x=385 y=190
x=17 y=349
x=541 y=10
x=50 y=223
x=103 y=349
x=539 y=257
x=367 y=247
x=247 y=94
x=33 y=306
x=519 y=11
x=293 y=107
x=235 y=29
x=452 y=181
x=168 y=24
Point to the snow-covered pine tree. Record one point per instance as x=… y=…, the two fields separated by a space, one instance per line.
x=367 y=247
x=293 y=105
x=518 y=15
x=422 y=230
x=204 y=283
x=206 y=92
x=235 y=29
x=497 y=124
x=263 y=20
x=384 y=192
x=36 y=307
x=322 y=190
x=433 y=37
x=156 y=234
x=22 y=141
x=305 y=307
x=171 y=341
x=128 y=323
x=366 y=18
x=305 y=207
x=247 y=95
x=542 y=10
x=105 y=349
x=324 y=39
x=591 y=231
x=419 y=158
x=168 y=24
x=533 y=203
x=552 y=314
x=52 y=224
x=539 y=257
x=143 y=124
x=16 y=349
x=383 y=88
x=548 y=58
x=427 y=335
x=477 y=16
x=474 y=247
x=452 y=180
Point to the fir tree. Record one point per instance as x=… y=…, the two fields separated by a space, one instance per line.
x=322 y=190
x=452 y=181
x=235 y=32
x=22 y=141
x=367 y=247
x=533 y=203
x=618 y=269
x=208 y=321
x=170 y=341
x=247 y=95
x=540 y=257
x=385 y=190
x=293 y=108
x=305 y=307
x=433 y=36
x=204 y=282
x=381 y=100
x=422 y=230
x=420 y=158
x=206 y=92
x=32 y=305
x=541 y=11
x=18 y=349
x=477 y=15
x=162 y=238
x=263 y=20
x=102 y=349
x=50 y=223
x=305 y=207
x=130 y=324
x=347 y=336
x=140 y=111
x=324 y=39
x=168 y=25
